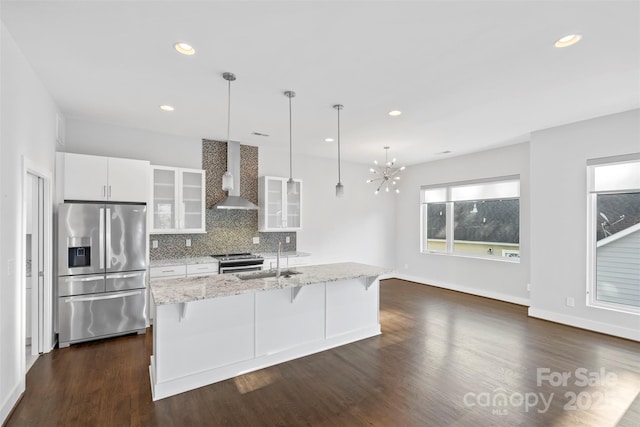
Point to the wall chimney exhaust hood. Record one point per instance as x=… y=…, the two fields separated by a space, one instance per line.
x=233 y=199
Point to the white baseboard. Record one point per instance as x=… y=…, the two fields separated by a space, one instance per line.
x=582 y=323
x=10 y=401
x=465 y=289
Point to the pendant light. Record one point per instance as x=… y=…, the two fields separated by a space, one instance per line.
x=339 y=186
x=227 y=178
x=291 y=184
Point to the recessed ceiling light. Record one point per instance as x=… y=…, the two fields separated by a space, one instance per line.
x=568 y=40
x=166 y=108
x=184 y=48
x=395 y=113
x=328 y=140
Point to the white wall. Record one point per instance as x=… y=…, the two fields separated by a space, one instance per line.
x=91 y=137
x=492 y=278
x=28 y=117
x=559 y=220
x=359 y=227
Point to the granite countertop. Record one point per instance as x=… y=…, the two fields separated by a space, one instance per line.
x=182 y=261
x=198 y=288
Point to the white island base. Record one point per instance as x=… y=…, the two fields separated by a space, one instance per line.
x=201 y=342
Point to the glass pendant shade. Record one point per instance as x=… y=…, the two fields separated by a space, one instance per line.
x=291 y=187
x=339 y=190
x=227 y=181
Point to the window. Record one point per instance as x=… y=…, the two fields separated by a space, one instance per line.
x=614 y=233
x=477 y=218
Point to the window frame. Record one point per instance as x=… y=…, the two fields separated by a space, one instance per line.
x=447 y=197
x=592 y=223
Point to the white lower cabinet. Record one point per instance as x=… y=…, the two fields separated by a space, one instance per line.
x=289 y=318
x=349 y=306
x=187 y=348
x=201 y=342
x=196 y=270
x=270 y=263
x=168 y=272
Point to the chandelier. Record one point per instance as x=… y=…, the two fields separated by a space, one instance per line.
x=387 y=174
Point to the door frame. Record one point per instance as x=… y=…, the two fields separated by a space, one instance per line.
x=48 y=338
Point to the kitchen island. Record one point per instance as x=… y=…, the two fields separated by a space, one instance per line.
x=212 y=328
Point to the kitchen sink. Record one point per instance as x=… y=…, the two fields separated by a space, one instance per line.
x=266 y=274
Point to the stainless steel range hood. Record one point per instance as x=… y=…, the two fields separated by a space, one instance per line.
x=233 y=199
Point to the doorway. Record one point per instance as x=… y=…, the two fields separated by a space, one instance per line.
x=35 y=258
x=34 y=267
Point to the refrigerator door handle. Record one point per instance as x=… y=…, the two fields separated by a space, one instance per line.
x=82 y=279
x=103 y=297
x=101 y=239
x=108 y=233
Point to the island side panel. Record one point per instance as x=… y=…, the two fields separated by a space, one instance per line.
x=214 y=332
x=288 y=318
x=352 y=307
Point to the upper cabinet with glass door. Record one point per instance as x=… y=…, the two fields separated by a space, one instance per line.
x=279 y=211
x=178 y=200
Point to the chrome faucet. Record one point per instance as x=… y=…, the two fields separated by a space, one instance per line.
x=278 y=260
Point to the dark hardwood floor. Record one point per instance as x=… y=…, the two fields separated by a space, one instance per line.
x=444 y=359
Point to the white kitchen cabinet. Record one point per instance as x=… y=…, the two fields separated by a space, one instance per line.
x=114 y=179
x=180 y=271
x=168 y=272
x=279 y=211
x=177 y=200
x=270 y=263
x=199 y=270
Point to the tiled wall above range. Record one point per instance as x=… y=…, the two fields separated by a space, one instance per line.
x=228 y=231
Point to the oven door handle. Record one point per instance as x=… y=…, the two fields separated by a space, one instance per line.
x=241 y=268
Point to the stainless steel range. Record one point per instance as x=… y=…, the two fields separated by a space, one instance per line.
x=237 y=263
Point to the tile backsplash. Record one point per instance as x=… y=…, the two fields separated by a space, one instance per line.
x=228 y=231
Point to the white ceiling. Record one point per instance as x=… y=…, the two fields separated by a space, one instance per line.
x=467 y=75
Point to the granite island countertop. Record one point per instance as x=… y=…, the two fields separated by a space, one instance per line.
x=184 y=290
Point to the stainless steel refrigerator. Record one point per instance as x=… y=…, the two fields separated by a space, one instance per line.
x=102 y=270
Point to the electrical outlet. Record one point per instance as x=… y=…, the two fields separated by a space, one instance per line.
x=287 y=239
x=570 y=302
x=406 y=266
x=188 y=242
x=528 y=286
x=154 y=244
x=256 y=240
